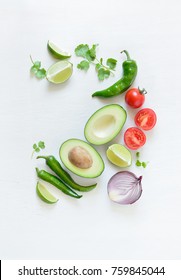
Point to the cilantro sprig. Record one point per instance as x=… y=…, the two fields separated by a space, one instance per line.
x=37 y=147
x=140 y=163
x=36 y=69
x=89 y=55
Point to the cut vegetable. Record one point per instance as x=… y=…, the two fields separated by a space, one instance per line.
x=134 y=138
x=81 y=158
x=119 y=155
x=44 y=194
x=105 y=124
x=59 y=72
x=145 y=119
x=56 y=51
x=124 y=187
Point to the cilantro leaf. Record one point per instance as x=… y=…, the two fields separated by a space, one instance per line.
x=98 y=65
x=138 y=163
x=81 y=50
x=38 y=147
x=111 y=62
x=144 y=164
x=91 y=53
x=40 y=73
x=103 y=73
x=83 y=65
x=137 y=154
x=41 y=144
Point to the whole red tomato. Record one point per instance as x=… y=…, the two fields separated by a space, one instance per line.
x=135 y=97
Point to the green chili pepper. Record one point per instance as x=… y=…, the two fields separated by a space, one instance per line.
x=129 y=75
x=42 y=174
x=64 y=175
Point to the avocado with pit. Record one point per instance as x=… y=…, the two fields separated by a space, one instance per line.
x=105 y=124
x=81 y=158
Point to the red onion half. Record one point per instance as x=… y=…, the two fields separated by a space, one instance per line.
x=124 y=187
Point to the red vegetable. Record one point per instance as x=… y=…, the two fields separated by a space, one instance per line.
x=134 y=138
x=135 y=97
x=145 y=119
x=124 y=187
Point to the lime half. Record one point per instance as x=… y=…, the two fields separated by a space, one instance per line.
x=44 y=194
x=119 y=155
x=57 y=52
x=59 y=72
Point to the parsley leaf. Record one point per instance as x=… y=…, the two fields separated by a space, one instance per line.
x=111 y=62
x=36 y=69
x=38 y=147
x=83 y=65
x=144 y=164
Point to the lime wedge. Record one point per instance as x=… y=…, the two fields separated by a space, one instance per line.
x=44 y=194
x=57 y=52
x=119 y=155
x=59 y=72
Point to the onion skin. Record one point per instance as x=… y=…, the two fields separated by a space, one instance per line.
x=124 y=187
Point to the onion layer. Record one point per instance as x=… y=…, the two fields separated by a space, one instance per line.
x=124 y=187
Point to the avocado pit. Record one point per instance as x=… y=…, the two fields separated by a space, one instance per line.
x=79 y=157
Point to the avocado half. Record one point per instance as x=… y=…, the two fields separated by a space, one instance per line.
x=105 y=124
x=93 y=171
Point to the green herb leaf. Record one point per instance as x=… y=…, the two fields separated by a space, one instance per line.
x=103 y=73
x=138 y=163
x=83 y=65
x=98 y=65
x=40 y=73
x=38 y=147
x=144 y=164
x=137 y=154
x=81 y=50
x=111 y=62
x=91 y=53
x=41 y=144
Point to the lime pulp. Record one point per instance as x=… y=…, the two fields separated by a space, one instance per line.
x=119 y=155
x=57 y=52
x=44 y=194
x=59 y=72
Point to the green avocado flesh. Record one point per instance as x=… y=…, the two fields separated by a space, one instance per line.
x=97 y=165
x=105 y=124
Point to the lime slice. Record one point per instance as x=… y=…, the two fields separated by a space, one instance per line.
x=57 y=52
x=44 y=194
x=59 y=72
x=119 y=155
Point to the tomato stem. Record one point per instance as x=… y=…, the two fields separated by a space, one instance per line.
x=142 y=91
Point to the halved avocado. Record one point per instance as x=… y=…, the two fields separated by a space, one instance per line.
x=105 y=124
x=81 y=158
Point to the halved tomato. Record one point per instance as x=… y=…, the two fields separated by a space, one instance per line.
x=145 y=119
x=134 y=138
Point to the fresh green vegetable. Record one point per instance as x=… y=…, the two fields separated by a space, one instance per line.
x=64 y=175
x=81 y=158
x=89 y=55
x=129 y=75
x=140 y=163
x=36 y=69
x=56 y=51
x=44 y=194
x=44 y=175
x=37 y=147
x=105 y=124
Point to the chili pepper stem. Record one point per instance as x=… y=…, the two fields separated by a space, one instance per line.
x=127 y=54
x=41 y=157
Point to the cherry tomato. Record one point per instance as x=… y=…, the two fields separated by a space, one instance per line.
x=134 y=138
x=145 y=119
x=135 y=97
